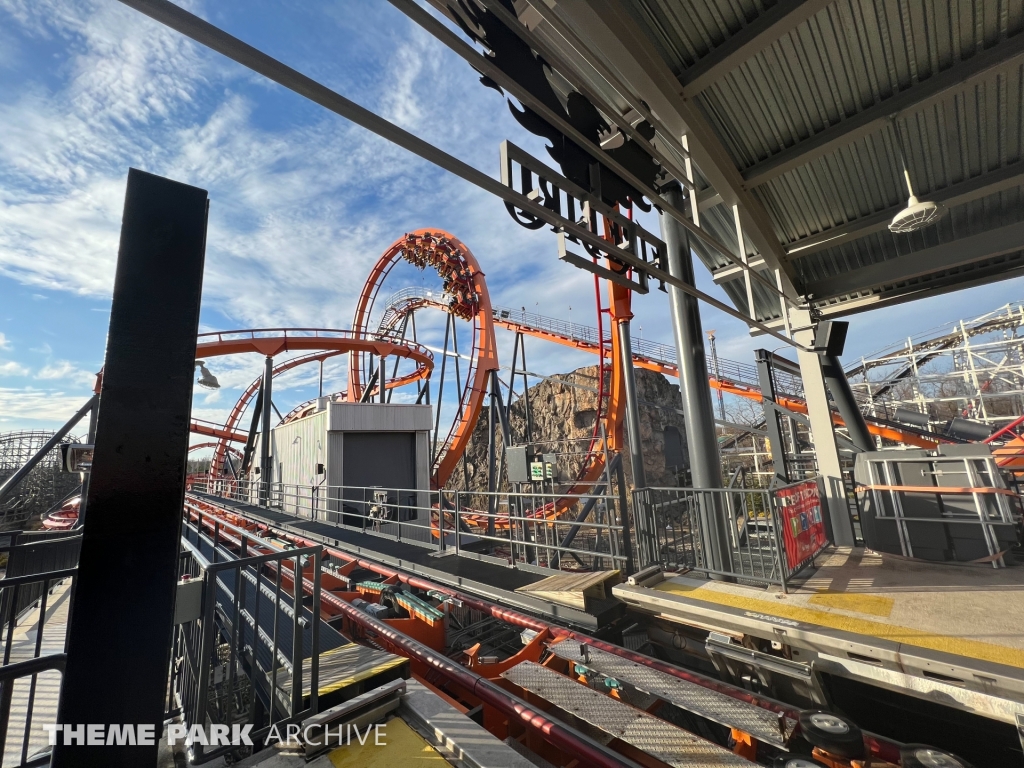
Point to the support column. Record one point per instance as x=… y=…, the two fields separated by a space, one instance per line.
x=822 y=431
x=772 y=417
x=492 y=470
x=698 y=411
x=123 y=603
x=842 y=395
x=266 y=470
x=636 y=454
x=91 y=440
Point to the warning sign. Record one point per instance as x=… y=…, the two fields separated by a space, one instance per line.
x=803 y=530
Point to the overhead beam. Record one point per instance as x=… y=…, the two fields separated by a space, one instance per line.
x=729 y=272
x=190 y=25
x=708 y=198
x=995 y=242
x=779 y=20
x=986 y=184
x=1009 y=267
x=874 y=118
x=605 y=32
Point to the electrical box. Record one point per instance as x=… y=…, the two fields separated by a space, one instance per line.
x=550 y=460
x=517 y=464
x=188 y=601
x=536 y=471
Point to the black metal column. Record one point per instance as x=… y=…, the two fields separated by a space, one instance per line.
x=772 y=416
x=698 y=411
x=265 y=437
x=839 y=387
x=122 y=610
x=636 y=453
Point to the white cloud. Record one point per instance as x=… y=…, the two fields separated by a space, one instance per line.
x=11 y=368
x=31 y=404
x=63 y=370
x=4 y=343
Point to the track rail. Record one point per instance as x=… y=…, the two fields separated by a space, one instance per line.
x=880 y=748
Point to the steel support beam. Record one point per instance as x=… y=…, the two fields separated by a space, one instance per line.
x=823 y=432
x=606 y=32
x=986 y=184
x=123 y=605
x=913 y=99
x=20 y=474
x=779 y=20
x=966 y=250
x=1001 y=269
x=698 y=410
x=842 y=395
x=636 y=453
x=266 y=470
x=492 y=468
x=772 y=417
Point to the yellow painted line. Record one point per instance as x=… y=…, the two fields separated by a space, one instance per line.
x=344 y=682
x=958 y=646
x=400 y=745
x=872 y=605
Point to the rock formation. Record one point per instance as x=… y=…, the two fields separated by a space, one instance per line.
x=562 y=413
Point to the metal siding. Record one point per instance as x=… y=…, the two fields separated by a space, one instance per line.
x=298 y=447
x=378 y=417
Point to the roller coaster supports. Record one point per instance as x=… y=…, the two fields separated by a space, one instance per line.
x=839 y=386
x=119 y=633
x=250 y=443
x=772 y=417
x=588 y=507
x=492 y=470
x=636 y=454
x=823 y=433
x=698 y=410
x=91 y=440
x=52 y=443
x=265 y=467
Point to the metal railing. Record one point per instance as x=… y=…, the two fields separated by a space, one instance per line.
x=251 y=656
x=678 y=522
x=969 y=493
x=531 y=529
x=34 y=595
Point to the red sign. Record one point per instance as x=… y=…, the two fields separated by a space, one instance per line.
x=803 y=530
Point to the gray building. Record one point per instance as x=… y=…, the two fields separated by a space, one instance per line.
x=333 y=458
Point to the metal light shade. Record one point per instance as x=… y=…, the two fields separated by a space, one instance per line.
x=206 y=379
x=916 y=216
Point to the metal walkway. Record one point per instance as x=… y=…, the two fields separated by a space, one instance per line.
x=726 y=710
x=662 y=740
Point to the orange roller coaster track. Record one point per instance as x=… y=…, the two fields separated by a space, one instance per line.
x=468 y=299
x=270 y=342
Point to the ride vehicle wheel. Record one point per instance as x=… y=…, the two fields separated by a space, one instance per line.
x=923 y=756
x=796 y=761
x=832 y=733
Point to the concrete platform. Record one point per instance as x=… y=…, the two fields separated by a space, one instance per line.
x=951 y=633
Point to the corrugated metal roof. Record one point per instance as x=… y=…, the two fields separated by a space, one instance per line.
x=845 y=59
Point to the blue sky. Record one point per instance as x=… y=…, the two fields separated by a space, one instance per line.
x=302 y=202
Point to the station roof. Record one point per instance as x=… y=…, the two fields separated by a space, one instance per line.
x=785 y=110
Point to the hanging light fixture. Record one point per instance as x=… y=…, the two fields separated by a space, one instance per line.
x=917 y=214
x=206 y=379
